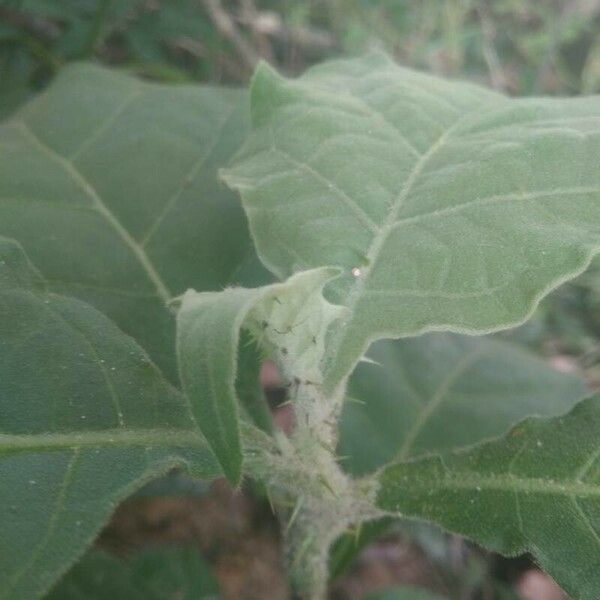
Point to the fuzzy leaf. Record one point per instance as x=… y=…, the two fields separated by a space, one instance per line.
x=449 y=207
x=109 y=184
x=535 y=490
x=291 y=318
x=85 y=419
x=440 y=392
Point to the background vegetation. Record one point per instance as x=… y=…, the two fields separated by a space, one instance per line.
x=543 y=46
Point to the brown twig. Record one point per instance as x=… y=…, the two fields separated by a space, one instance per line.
x=224 y=62
x=251 y=16
x=490 y=55
x=228 y=29
x=271 y=24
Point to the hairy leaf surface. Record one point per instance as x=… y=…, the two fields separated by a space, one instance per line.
x=535 y=490
x=448 y=206
x=165 y=574
x=442 y=391
x=85 y=419
x=109 y=184
x=290 y=318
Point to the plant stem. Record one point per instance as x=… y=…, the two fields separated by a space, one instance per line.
x=302 y=471
x=96 y=32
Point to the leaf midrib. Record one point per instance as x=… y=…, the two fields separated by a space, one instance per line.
x=509 y=483
x=108 y=438
x=191 y=174
x=101 y=208
x=435 y=402
x=379 y=239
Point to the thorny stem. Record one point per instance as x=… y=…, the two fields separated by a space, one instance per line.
x=302 y=472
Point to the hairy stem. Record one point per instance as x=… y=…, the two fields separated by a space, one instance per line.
x=318 y=501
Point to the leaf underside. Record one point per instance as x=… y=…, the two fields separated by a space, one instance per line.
x=448 y=206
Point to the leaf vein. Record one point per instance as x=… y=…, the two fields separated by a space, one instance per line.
x=172 y=201
x=103 y=210
x=52 y=521
x=429 y=408
x=347 y=200
x=526 y=196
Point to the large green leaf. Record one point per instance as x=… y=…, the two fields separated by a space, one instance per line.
x=85 y=419
x=535 y=490
x=161 y=574
x=208 y=335
x=448 y=206
x=109 y=184
x=440 y=392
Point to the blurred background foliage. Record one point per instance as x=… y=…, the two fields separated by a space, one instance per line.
x=521 y=47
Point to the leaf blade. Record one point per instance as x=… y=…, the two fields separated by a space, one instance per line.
x=500 y=206
x=536 y=489
x=441 y=392
x=83 y=166
x=208 y=327
x=86 y=419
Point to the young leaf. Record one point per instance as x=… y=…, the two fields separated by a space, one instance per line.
x=440 y=392
x=208 y=333
x=535 y=490
x=208 y=330
x=109 y=184
x=165 y=574
x=85 y=419
x=448 y=206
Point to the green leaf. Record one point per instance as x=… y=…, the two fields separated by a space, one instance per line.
x=449 y=207
x=109 y=184
x=440 y=392
x=160 y=574
x=208 y=334
x=535 y=490
x=85 y=419
x=437 y=393
x=404 y=593
x=208 y=330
